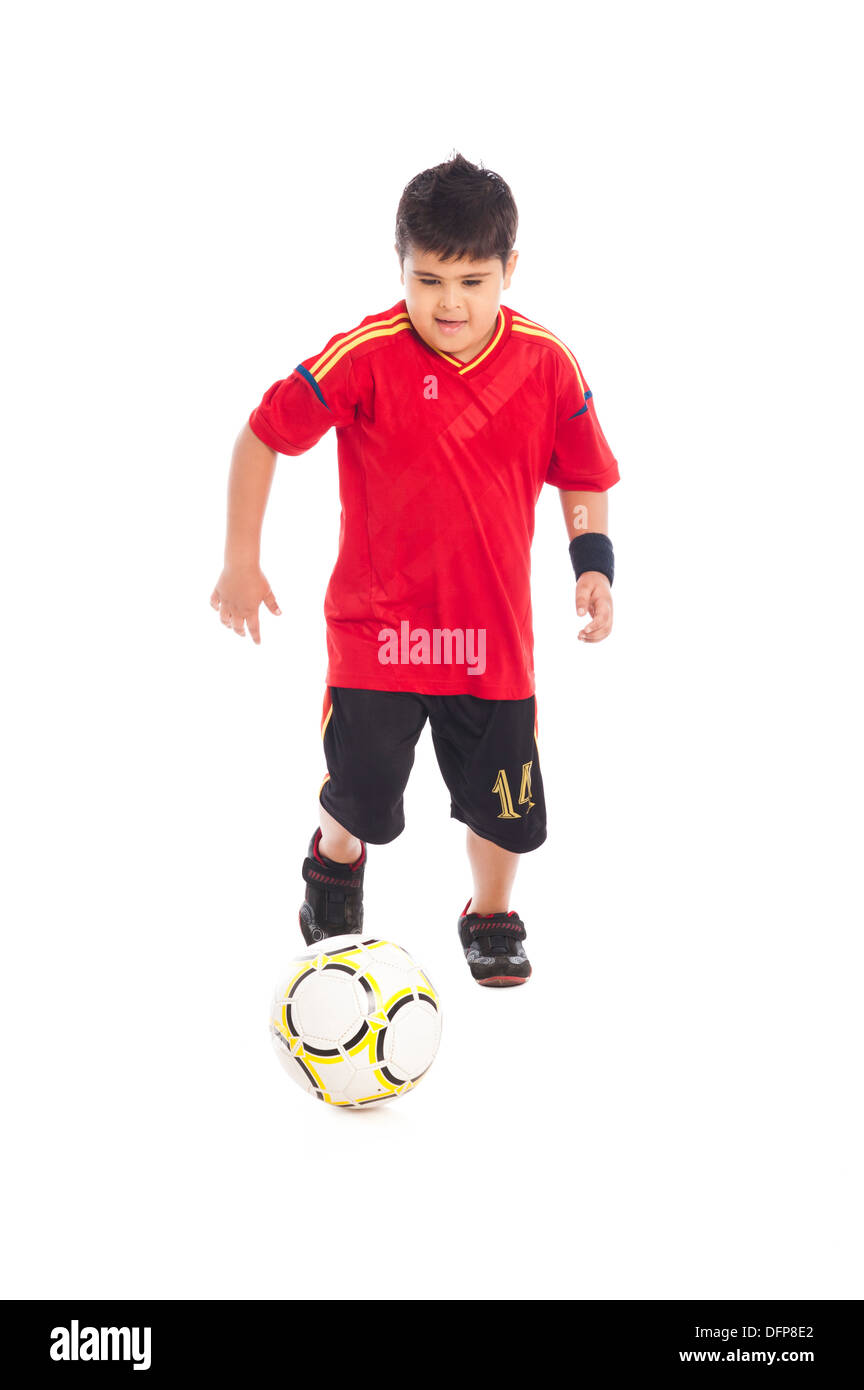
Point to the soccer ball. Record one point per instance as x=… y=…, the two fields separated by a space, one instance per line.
x=355 y=1021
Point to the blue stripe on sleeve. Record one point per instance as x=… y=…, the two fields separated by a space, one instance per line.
x=588 y=395
x=313 y=383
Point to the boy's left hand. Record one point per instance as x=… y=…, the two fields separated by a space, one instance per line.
x=594 y=596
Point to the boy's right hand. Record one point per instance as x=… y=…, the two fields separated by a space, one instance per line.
x=239 y=591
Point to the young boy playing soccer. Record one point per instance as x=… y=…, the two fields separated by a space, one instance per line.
x=451 y=411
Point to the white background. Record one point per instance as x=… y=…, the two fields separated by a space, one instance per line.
x=198 y=197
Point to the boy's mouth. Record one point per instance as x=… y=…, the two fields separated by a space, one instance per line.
x=450 y=325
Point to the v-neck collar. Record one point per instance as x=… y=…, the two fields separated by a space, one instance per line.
x=483 y=357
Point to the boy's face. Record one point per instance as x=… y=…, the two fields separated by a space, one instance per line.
x=454 y=304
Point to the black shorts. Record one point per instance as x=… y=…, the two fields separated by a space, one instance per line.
x=486 y=750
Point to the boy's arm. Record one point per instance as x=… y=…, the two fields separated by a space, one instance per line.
x=241 y=586
x=585 y=511
x=253 y=464
x=589 y=511
x=322 y=391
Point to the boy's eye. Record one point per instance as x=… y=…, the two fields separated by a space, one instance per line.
x=435 y=282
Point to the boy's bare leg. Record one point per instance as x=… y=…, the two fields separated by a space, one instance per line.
x=336 y=842
x=494 y=870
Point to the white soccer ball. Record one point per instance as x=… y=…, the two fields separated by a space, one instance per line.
x=355 y=1021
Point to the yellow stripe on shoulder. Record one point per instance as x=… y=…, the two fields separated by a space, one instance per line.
x=378 y=328
x=535 y=330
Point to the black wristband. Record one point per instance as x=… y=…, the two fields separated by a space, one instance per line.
x=592 y=551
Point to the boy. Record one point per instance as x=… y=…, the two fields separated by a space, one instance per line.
x=451 y=411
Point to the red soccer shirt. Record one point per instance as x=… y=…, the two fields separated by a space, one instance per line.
x=441 y=463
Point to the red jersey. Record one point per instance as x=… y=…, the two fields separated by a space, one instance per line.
x=441 y=463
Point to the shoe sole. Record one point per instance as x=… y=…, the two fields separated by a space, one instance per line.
x=504 y=980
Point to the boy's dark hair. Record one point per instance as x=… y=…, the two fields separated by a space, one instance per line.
x=457 y=211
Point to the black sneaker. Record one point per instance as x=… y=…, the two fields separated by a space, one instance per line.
x=334 y=895
x=493 y=947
